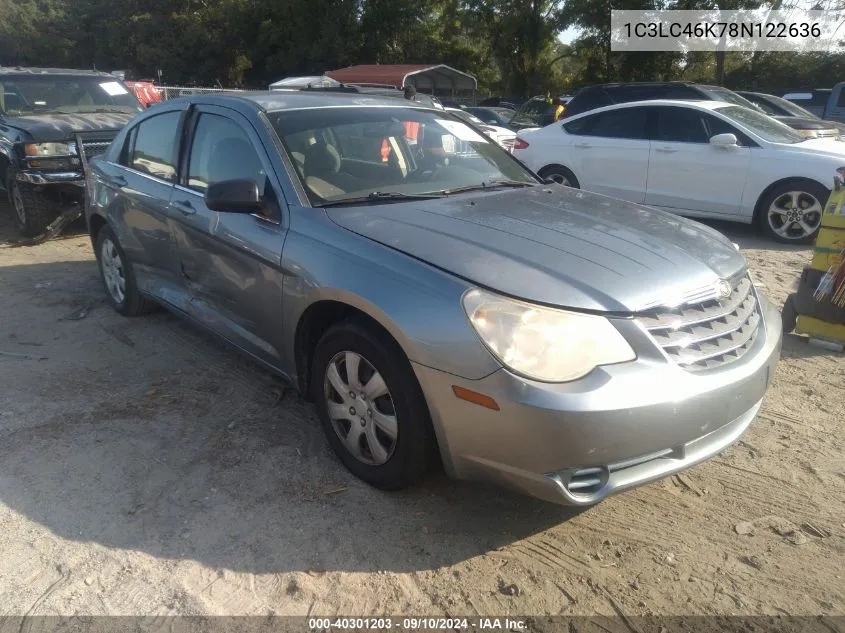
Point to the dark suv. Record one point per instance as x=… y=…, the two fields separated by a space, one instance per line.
x=51 y=122
x=593 y=97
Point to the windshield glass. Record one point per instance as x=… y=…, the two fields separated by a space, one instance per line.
x=762 y=125
x=729 y=96
x=793 y=109
x=467 y=116
x=346 y=153
x=21 y=95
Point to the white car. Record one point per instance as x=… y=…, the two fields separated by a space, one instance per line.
x=706 y=159
x=500 y=135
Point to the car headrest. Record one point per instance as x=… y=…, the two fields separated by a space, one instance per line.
x=321 y=158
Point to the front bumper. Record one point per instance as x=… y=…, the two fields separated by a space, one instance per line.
x=49 y=178
x=619 y=427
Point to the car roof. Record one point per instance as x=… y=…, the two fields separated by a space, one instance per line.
x=280 y=100
x=689 y=103
x=618 y=84
x=20 y=70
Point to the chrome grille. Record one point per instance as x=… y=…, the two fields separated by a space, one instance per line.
x=708 y=334
x=93 y=144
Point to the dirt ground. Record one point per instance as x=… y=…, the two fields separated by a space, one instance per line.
x=147 y=469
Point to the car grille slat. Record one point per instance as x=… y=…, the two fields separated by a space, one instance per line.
x=93 y=144
x=708 y=334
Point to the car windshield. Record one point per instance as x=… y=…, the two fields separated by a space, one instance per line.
x=793 y=109
x=729 y=96
x=762 y=125
x=467 y=116
x=390 y=153
x=22 y=95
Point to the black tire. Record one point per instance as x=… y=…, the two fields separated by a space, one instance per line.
x=807 y=190
x=559 y=174
x=132 y=303
x=32 y=210
x=413 y=449
x=789 y=315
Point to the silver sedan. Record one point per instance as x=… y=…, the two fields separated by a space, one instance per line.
x=431 y=295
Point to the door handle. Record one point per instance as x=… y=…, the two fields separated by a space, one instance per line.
x=119 y=181
x=582 y=145
x=665 y=150
x=185 y=207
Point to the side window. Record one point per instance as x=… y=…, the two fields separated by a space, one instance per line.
x=715 y=126
x=154 y=149
x=628 y=123
x=681 y=125
x=586 y=101
x=840 y=100
x=221 y=150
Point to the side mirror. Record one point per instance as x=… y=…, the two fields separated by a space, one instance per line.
x=724 y=140
x=233 y=196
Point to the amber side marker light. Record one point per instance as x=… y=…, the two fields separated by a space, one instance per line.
x=476 y=398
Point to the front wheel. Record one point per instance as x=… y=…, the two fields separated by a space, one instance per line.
x=371 y=407
x=33 y=210
x=792 y=212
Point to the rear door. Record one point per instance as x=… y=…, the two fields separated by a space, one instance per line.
x=686 y=172
x=145 y=180
x=610 y=152
x=231 y=262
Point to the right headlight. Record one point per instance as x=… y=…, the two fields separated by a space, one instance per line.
x=541 y=343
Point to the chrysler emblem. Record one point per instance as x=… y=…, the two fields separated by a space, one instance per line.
x=724 y=289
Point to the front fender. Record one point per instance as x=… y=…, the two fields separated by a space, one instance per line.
x=419 y=305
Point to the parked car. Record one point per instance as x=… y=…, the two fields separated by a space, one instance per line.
x=706 y=159
x=51 y=122
x=828 y=104
x=492 y=116
x=805 y=122
x=463 y=309
x=501 y=135
x=509 y=103
x=536 y=112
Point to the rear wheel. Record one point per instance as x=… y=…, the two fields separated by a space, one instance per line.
x=560 y=175
x=371 y=407
x=118 y=276
x=792 y=212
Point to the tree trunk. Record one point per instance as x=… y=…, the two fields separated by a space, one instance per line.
x=720 y=68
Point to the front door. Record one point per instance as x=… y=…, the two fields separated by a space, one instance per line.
x=231 y=262
x=687 y=173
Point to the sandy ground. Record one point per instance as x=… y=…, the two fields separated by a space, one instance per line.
x=146 y=469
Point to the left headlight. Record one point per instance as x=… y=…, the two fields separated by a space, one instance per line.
x=37 y=150
x=541 y=343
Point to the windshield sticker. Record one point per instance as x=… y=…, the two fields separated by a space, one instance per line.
x=461 y=131
x=113 y=88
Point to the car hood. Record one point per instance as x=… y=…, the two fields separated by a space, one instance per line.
x=59 y=127
x=829 y=146
x=555 y=246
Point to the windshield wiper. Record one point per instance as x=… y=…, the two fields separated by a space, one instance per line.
x=490 y=184
x=382 y=196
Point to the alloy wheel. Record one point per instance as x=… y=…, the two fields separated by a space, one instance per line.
x=113 y=271
x=795 y=215
x=360 y=408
